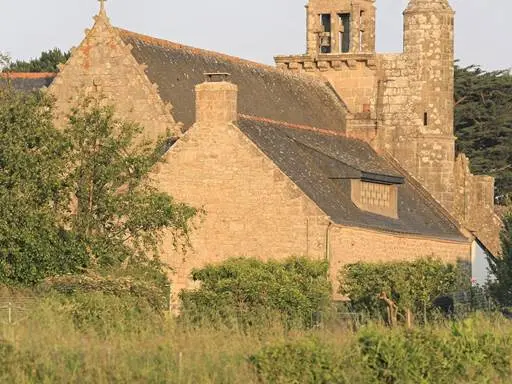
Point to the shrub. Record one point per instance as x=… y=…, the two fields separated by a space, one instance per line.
x=468 y=352
x=404 y=288
x=111 y=303
x=307 y=361
x=247 y=292
x=501 y=267
x=154 y=291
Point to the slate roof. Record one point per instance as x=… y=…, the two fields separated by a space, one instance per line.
x=27 y=82
x=297 y=122
x=322 y=164
x=264 y=91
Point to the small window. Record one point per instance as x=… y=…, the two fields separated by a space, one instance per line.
x=325 y=36
x=326 y=22
x=361 y=31
x=425 y=119
x=344 y=32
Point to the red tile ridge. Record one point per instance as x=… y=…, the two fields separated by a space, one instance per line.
x=294 y=126
x=27 y=75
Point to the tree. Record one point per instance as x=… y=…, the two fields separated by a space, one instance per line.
x=483 y=123
x=501 y=267
x=406 y=288
x=47 y=62
x=33 y=242
x=115 y=211
x=78 y=198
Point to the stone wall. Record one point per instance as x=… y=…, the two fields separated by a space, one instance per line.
x=103 y=67
x=353 y=76
x=474 y=205
x=350 y=245
x=252 y=208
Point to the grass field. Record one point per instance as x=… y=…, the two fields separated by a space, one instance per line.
x=96 y=338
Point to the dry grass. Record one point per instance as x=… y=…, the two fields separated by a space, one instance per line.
x=50 y=346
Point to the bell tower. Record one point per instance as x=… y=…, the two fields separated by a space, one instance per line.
x=340 y=26
x=341 y=50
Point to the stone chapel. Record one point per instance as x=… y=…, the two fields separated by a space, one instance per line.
x=340 y=154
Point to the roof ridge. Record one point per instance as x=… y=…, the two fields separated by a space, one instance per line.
x=293 y=126
x=27 y=75
x=167 y=43
x=234 y=59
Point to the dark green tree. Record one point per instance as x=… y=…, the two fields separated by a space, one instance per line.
x=47 y=62
x=500 y=286
x=33 y=243
x=483 y=123
x=80 y=198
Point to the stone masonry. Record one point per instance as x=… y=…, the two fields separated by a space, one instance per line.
x=402 y=104
x=252 y=208
x=103 y=67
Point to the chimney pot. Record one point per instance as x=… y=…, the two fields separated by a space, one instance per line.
x=216 y=77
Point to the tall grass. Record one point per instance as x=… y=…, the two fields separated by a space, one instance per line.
x=96 y=338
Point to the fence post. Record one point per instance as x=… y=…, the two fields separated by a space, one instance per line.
x=9 y=311
x=180 y=367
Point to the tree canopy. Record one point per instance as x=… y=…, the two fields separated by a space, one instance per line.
x=80 y=197
x=501 y=267
x=33 y=241
x=47 y=62
x=405 y=287
x=483 y=123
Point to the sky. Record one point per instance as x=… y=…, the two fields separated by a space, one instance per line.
x=255 y=30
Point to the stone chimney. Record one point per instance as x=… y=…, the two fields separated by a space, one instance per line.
x=216 y=100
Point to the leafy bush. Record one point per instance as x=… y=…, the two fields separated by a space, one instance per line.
x=402 y=287
x=307 y=361
x=106 y=313
x=247 y=292
x=468 y=352
x=154 y=293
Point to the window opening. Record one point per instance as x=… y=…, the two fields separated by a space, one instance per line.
x=425 y=119
x=326 y=22
x=325 y=36
x=361 y=31
x=345 y=32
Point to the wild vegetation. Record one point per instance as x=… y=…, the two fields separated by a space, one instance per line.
x=100 y=337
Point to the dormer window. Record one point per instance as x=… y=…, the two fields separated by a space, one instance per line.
x=377 y=195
